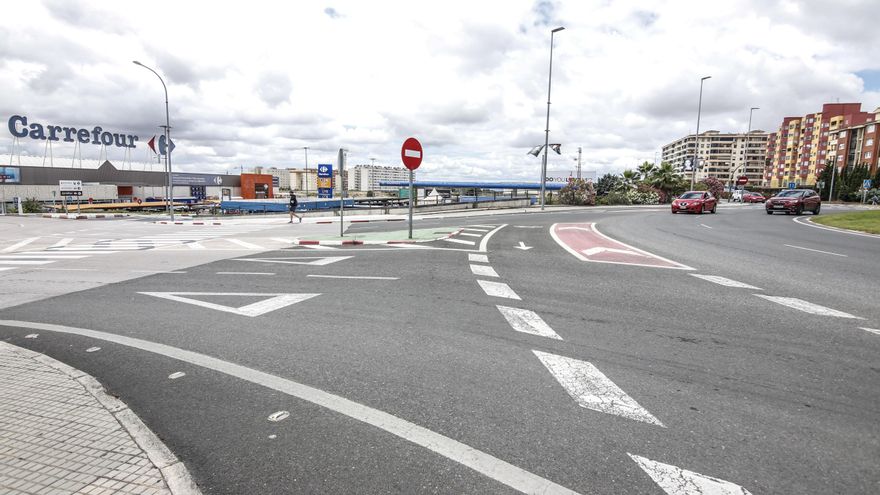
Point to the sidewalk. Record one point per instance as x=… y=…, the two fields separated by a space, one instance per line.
x=60 y=433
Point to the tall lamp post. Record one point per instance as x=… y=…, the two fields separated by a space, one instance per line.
x=745 y=164
x=697 y=135
x=170 y=185
x=547 y=127
x=306 y=149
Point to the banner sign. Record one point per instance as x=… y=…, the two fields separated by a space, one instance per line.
x=184 y=179
x=19 y=127
x=10 y=175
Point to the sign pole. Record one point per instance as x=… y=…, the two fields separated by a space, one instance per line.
x=410 y=202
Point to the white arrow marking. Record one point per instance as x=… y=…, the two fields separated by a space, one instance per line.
x=807 y=307
x=274 y=301
x=523 y=246
x=598 y=249
x=497 y=289
x=676 y=481
x=483 y=271
x=317 y=260
x=724 y=281
x=525 y=321
x=591 y=389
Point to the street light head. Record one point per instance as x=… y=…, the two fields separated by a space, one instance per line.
x=704 y=78
x=560 y=28
x=755 y=108
x=136 y=62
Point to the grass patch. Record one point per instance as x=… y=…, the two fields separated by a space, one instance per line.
x=865 y=221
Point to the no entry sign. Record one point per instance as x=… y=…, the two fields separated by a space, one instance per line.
x=411 y=153
x=742 y=180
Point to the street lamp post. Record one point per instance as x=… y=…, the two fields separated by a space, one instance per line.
x=547 y=127
x=745 y=164
x=697 y=135
x=306 y=149
x=170 y=185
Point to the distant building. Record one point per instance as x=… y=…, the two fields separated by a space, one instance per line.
x=723 y=156
x=841 y=133
x=367 y=177
x=283 y=175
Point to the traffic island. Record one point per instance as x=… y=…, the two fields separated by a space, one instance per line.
x=860 y=221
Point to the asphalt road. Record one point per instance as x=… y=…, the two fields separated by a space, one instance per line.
x=438 y=386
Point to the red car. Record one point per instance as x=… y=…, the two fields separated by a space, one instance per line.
x=794 y=201
x=753 y=197
x=695 y=202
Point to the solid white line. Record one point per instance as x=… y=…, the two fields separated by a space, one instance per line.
x=476 y=230
x=4 y=268
x=195 y=245
x=480 y=258
x=245 y=273
x=483 y=271
x=62 y=242
x=525 y=321
x=816 y=250
x=591 y=389
x=497 y=289
x=677 y=481
x=724 y=281
x=468 y=234
x=679 y=265
x=460 y=241
x=272 y=302
x=872 y=330
x=31 y=256
x=704 y=225
x=481 y=462
x=809 y=223
x=25 y=262
x=17 y=245
x=807 y=306
x=485 y=242
x=355 y=277
x=243 y=244
x=155 y=271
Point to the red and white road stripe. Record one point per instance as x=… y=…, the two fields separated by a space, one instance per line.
x=586 y=243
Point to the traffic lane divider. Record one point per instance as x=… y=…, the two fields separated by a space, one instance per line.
x=586 y=243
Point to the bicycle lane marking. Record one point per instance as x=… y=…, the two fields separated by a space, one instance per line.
x=586 y=243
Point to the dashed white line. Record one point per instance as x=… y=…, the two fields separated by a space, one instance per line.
x=17 y=245
x=26 y=262
x=525 y=321
x=460 y=241
x=470 y=457
x=677 y=481
x=591 y=389
x=468 y=234
x=483 y=271
x=807 y=307
x=724 y=281
x=704 y=225
x=872 y=330
x=497 y=289
x=245 y=273
x=353 y=277
x=816 y=250
x=479 y=258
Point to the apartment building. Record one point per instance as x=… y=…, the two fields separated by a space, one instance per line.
x=841 y=133
x=367 y=177
x=282 y=173
x=724 y=156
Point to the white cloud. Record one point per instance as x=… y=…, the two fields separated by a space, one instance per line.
x=254 y=82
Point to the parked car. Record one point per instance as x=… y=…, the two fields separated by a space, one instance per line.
x=794 y=201
x=753 y=197
x=695 y=202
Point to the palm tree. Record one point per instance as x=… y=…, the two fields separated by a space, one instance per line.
x=665 y=178
x=646 y=169
x=630 y=177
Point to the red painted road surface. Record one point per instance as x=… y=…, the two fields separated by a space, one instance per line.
x=586 y=243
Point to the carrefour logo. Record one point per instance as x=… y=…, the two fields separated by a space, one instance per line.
x=19 y=127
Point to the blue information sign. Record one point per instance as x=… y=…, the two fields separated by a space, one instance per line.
x=866 y=184
x=791 y=185
x=325 y=180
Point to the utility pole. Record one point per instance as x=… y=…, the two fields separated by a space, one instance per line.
x=697 y=135
x=306 y=148
x=579 y=163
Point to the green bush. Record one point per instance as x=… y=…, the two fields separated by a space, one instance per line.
x=617 y=198
x=643 y=197
x=31 y=205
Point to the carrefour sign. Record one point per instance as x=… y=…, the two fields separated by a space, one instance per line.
x=19 y=127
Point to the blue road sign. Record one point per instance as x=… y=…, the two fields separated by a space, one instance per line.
x=325 y=192
x=866 y=184
x=792 y=185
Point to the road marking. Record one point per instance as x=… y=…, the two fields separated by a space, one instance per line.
x=4 y=268
x=93 y=349
x=291 y=260
x=816 y=250
x=468 y=234
x=26 y=262
x=320 y=247
x=807 y=306
x=872 y=330
x=485 y=242
x=17 y=245
x=354 y=277
x=27 y=256
x=460 y=241
x=523 y=246
x=157 y=271
x=497 y=289
x=525 y=321
x=273 y=302
x=591 y=389
x=483 y=271
x=586 y=243
x=176 y=375
x=677 y=481
x=529 y=226
x=62 y=242
x=278 y=416
x=476 y=230
x=470 y=457
x=704 y=225
x=809 y=223
x=484 y=226
x=479 y=258
x=724 y=281
x=195 y=245
x=245 y=273
x=66 y=269
x=599 y=249
x=83 y=250
x=246 y=245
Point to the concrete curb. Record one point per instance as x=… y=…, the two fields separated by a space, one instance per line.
x=166 y=222
x=83 y=216
x=174 y=472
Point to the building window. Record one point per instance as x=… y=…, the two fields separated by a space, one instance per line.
x=869 y=142
x=870 y=128
x=867 y=155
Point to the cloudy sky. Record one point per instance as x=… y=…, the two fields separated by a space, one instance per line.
x=251 y=83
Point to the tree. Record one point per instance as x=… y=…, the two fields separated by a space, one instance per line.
x=607 y=183
x=577 y=192
x=645 y=170
x=629 y=179
x=714 y=186
x=666 y=179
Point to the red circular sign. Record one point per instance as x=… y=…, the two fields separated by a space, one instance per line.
x=411 y=153
x=742 y=180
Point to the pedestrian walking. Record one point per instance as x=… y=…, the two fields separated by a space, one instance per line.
x=292 y=207
x=874 y=199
